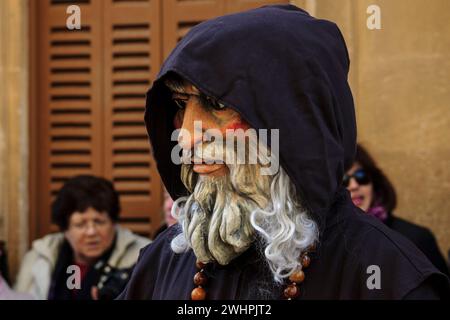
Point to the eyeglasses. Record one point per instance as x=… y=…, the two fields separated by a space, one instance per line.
x=182 y=99
x=84 y=225
x=361 y=177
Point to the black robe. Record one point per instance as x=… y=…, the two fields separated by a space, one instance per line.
x=281 y=69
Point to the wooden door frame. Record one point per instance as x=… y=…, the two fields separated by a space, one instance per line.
x=34 y=161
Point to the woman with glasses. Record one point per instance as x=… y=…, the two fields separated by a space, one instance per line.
x=372 y=192
x=92 y=256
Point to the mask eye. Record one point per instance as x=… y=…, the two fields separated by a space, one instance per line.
x=216 y=105
x=181 y=103
x=213 y=103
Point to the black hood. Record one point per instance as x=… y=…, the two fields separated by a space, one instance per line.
x=281 y=69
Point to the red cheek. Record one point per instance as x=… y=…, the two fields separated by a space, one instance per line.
x=238 y=125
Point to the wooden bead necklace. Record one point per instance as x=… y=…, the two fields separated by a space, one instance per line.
x=291 y=290
x=200 y=279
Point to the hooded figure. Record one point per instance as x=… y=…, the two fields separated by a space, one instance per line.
x=243 y=234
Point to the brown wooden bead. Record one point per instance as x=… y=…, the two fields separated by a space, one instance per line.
x=306 y=261
x=297 y=277
x=291 y=291
x=200 y=279
x=200 y=265
x=198 y=294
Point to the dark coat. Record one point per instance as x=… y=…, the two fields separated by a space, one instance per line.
x=422 y=238
x=281 y=68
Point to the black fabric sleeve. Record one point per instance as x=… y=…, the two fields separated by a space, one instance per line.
x=433 y=288
x=431 y=250
x=425 y=291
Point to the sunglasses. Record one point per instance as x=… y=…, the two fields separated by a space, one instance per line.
x=361 y=177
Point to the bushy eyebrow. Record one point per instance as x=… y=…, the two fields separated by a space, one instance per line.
x=176 y=94
x=175 y=84
x=179 y=85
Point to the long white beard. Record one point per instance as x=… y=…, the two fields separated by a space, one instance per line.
x=223 y=215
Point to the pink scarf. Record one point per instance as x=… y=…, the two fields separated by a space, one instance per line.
x=378 y=212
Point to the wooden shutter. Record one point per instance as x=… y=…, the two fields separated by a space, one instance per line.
x=132 y=59
x=70 y=86
x=92 y=85
x=242 y=5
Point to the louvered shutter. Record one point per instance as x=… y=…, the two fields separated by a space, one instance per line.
x=91 y=104
x=70 y=86
x=132 y=59
x=242 y=5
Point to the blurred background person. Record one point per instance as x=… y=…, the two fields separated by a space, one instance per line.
x=372 y=192
x=5 y=291
x=86 y=210
x=4 y=269
x=169 y=220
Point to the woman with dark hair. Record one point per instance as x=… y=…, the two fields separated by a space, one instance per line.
x=92 y=256
x=372 y=192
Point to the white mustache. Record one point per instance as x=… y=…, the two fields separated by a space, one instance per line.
x=208 y=153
